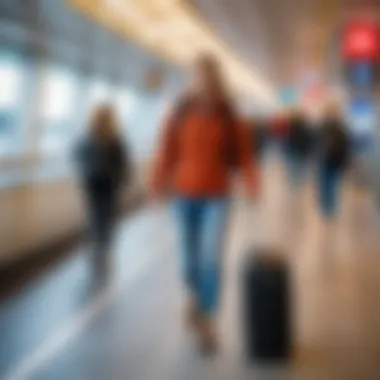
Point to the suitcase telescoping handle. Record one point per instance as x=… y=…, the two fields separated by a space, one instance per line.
x=259 y=247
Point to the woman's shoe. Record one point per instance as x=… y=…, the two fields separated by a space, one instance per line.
x=192 y=317
x=208 y=337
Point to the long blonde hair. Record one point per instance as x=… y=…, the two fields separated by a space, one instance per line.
x=104 y=125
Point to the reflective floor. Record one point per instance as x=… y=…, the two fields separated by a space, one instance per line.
x=63 y=327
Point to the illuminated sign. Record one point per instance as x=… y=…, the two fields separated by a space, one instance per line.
x=360 y=41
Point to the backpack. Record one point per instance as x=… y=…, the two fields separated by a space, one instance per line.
x=181 y=111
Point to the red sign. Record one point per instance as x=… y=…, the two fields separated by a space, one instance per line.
x=360 y=41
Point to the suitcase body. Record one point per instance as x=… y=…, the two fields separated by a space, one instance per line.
x=266 y=309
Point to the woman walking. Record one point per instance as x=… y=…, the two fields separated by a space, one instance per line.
x=104 y=168
x=202 y=145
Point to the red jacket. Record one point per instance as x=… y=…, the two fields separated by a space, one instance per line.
x=191 y=162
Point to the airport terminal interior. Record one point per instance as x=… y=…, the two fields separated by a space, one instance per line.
x=60 y=62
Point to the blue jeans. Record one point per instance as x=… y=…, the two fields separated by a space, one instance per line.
x=201 y=224
x=329 y=179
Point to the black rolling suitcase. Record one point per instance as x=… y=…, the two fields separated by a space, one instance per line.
x=266 y=308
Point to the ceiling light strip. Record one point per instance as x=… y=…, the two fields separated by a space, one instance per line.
x=177 y=36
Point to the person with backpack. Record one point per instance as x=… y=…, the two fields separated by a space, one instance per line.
x=104 y=166
x=203 y=144
x=334 y=155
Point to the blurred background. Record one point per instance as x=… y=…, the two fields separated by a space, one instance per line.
x=60 y=60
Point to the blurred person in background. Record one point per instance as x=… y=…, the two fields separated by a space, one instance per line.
x=298 y=154
x=104 y=167
x=333 y=158
x=298 y=148
x=203 y=143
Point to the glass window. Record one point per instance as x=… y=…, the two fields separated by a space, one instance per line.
x=126 y=103
x=58 y=110
x=12 y=76
x=100 y=92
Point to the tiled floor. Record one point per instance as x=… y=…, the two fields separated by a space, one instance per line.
x=59 y=329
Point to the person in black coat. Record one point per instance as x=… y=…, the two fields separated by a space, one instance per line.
x=333 y=158
x=104 y=166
